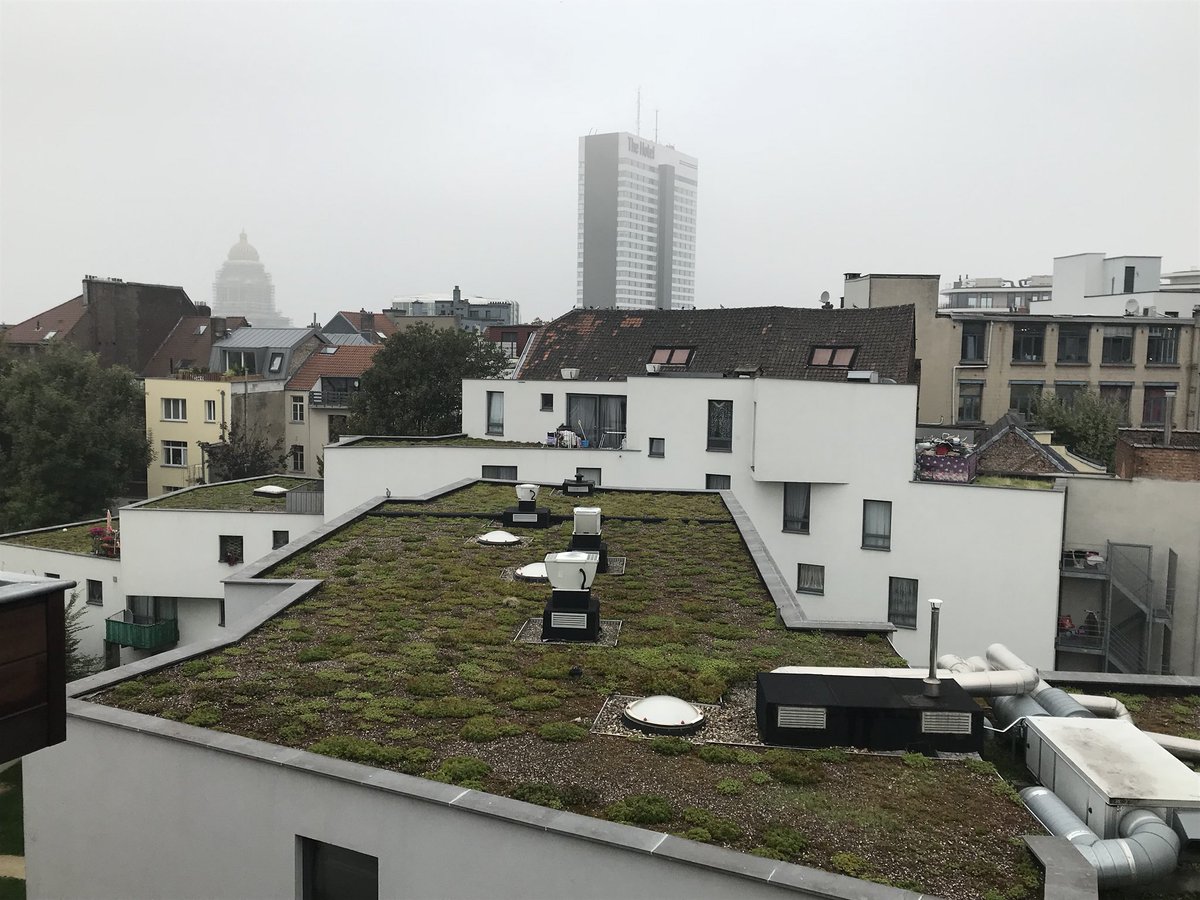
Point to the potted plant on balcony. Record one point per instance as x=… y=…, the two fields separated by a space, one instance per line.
x=106 y=540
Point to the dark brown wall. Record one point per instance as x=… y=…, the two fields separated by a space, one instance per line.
x=124 y=323
x=33 y=681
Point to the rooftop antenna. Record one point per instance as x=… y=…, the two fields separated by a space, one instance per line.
x=639 y=112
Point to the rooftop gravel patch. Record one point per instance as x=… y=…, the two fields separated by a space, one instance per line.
x=230 y=495
x=73 y=538
x=404 y=659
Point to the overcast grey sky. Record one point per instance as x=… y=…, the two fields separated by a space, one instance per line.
x=371 y=150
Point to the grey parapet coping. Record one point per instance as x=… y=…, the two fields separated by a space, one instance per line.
x=1164 y=684
x=801 y=879
x=1068 y=875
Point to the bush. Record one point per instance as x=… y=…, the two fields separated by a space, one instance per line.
x=539 y=793
x=536 y=702
x=204 y=715
x=721 y=830
x=411 y=761
x=714 y=753
x=670 y=746
x=427 y=685
x=194 y=667
x=849 y=864
x=315 y=654
x=485 y=728
x=730 y=786
x=787 y=842
x=463 y=770
x=562 y=732
x=640 y=809
x=793 y=767
x=916 y=761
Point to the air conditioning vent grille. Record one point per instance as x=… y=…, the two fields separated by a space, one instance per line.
x=801 y=717
x=945 y=723
x=568 y=620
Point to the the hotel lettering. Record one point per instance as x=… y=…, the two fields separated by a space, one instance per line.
x=641 y=148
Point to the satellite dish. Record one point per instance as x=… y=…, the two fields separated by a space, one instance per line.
x=1131 y=307
x=824 y=296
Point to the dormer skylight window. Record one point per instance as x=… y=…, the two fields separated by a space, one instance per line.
x=833 y=357
x=200 y=329
x=276 y=363
x=329 y=350
x=672 y=356
x=49 y=335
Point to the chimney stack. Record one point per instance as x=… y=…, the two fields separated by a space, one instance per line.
x=457 y=294
x=933 y=687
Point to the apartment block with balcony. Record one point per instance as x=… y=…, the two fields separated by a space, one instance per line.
x=998 y=293
x=317 y=403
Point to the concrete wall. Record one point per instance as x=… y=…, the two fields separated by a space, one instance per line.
x=991 y=553
x=182 y=812
x=1162 y=514
x=77 y=567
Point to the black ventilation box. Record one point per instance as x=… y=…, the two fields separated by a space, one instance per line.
x=526 y=513
x=867 y=712
x=577 y=620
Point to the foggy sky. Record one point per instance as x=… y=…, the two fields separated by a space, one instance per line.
x=371 y=150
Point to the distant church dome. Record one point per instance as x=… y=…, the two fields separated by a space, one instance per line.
x=242 y=251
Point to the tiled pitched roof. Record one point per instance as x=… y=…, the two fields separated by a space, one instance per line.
x=184 y=347
x=777 y=341
x=60 y=319
x=347 y=362
x=383 y=324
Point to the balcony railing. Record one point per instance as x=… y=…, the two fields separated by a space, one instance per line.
x=1085 y=562
x=140 y=632
x=337 y=399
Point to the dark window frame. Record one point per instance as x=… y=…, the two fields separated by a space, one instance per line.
x=662 y=448
x=495 y=424
x=833 y=356
x=902 y=611
x=231 y=549
x=1074 y=341
x=1117 y=345
x=974 y=342
x=497 y=469
x=1162 y=349
x=1029 y=343
x=319 y=859
x=547 y=403
x=977 y=404
x=800 y=525
x=97 y=592
x=1015 y=404
x=711 y=477
x=800 y=581
x=877 y=540
x=720 y=427
x=277 y=542
x=1154 y=404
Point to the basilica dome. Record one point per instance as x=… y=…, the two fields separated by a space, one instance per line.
x=242 y=251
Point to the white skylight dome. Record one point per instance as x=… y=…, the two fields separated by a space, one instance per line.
x=662 y=714
x=498 y=538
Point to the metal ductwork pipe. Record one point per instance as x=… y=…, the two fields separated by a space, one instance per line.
x=1104 y=707
x=1000 y=657
x=1148 y=848
x=1009 y=709
x=1060 y=704
x=1181 y=748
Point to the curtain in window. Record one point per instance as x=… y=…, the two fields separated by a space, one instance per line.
x=495 y=416
x=592 y=415
x=811 y=579
x=795 y=506
x=902 y=603
x=877 y=523
x=720 y=424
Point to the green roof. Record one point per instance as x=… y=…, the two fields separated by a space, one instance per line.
x=229 y=495
x=72 y=538
x=405 y=659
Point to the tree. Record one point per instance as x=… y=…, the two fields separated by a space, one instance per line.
x=247 y=453
x=79 y=665
x=72 y=435
x=1087 y=424
x=414 y=385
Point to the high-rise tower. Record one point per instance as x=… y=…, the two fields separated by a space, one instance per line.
x=637 y=224
x=243 y=288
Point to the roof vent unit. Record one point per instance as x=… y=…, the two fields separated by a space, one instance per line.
x=663 y=715
x=867 y=376
x=270 y=490
x=571 y=613
x=527 y=512
x=498 y=539
x=569 y=374
x=586 y=534
x=578 y=487
x=653 y=368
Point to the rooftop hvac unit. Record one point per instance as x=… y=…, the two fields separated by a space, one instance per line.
x=867 y=376
x=527 y=493
x=653 y=368
x=587 y=520
x=569 y=374
x=571 y=570
x=527 y=512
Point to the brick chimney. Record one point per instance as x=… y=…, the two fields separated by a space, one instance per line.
x=366 y=324
x=457 y=294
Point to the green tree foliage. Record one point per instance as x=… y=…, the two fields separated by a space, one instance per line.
x=415 y=384
x=247 y=453
x=72 y=435
x=1087 y=424
x=79 y=664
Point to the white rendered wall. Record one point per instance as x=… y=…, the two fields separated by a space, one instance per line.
x=168 y=818
x=991 y=553
x=77 y=567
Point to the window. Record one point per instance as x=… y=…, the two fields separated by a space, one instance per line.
x=278 y=539
x=221 y=612
x=588 y=474
x=1023 y=396
x=174 y=453
x=1068 y=391
x=297 y=407
x=241 y=361
x=148 y=610
x=276 y=364
x=672 y=356
x=1130 y=271
x=229 y=547
x=1154 y=404
x=1117 y=348
x=1073 y=343
x=502 y=473
x=810 y=579
x=1162 y=345
x=795 y=506
x=495 y=412
x=174 y=409
x=95 y=592
x=970 y=401
x=329 y=872
x=210 y=410
x=508 y=343
x=1117 y=393
x=1028 y=342
x=902 y=602
x=598 y=418
x=877 y=524
x=337 y=427
x=832 y=356
x=658 y=447
x=973 y=336
x=297 y=455
x=547 y=403
x=716 y=482
x=720 y=425
x=200 y=329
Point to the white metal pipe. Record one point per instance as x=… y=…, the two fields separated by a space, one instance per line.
x=1181 y=748
x=1104 y=707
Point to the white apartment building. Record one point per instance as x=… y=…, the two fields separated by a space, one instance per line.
x=637 y=224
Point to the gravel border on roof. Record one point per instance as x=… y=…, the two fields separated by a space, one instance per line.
x=531 y=633
x=731 y=722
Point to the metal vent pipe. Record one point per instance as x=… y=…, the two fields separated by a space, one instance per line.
x=1060 y=704
x=1148 y=848
x=1009 y=709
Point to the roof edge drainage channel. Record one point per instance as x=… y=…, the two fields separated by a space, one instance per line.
x=802 y=880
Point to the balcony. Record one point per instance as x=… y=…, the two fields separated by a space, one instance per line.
x=1085 y=562
x=140 y=632
x=330 y=399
